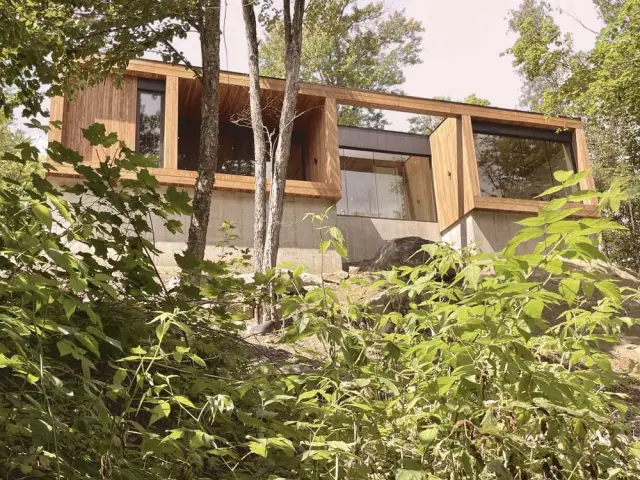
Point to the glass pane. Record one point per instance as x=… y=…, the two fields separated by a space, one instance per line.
x=560 y=159
x=390 y=187
x=342 y=207
x=519 y=168
x=488 y=169
x=150 y=124
x=360 y=183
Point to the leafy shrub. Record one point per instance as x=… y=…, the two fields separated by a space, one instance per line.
x=105 y=372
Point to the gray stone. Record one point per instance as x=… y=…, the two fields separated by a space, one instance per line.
x=398 y=252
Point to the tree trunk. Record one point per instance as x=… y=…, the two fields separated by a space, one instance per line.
x=293 y=46
x=210 y=106
x=257 y=124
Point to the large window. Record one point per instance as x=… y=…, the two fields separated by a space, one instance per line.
x=518 y=162
x=150 y=118
x=386 y=185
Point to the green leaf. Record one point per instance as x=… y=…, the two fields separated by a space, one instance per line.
x=183 y=401
x=610 y=290
x=89 y=342
x=197 y=360
x=428 y=435
x=160 y=411
x=162 y=329
x=324 y=246
x=138 y=350
x=119 y=376
x=77 y=284
x=259 y=447
x=43 y=214
x=569 y=288
x=534 y=308
x=403 y=474
x=65 y=347
x=562 y=175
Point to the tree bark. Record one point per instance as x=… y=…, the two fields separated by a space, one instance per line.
x=210 y=107
x=293 y=46
x=257 y=124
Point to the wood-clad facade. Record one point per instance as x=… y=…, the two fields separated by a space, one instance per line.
x=442 y=180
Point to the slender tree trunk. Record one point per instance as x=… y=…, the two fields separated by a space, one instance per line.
x=260 y=153
x=293 y=46
x=210 y=107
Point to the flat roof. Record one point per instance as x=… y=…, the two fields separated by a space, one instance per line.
x=378 y=100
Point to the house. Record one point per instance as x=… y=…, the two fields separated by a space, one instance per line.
x=467 y=183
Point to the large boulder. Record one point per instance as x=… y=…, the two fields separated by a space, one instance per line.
x=398 y=252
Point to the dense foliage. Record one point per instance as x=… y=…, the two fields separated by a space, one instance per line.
x=601 y=86
x=492 y=369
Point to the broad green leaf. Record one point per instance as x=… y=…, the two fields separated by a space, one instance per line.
x=403 y=474
x=428 y=435
x=160 y=411
x=43 y=214
x=88 y=341
x=183 y=401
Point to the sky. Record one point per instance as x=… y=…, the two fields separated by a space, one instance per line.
x=462 y=45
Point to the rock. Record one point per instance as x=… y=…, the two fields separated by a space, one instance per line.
x=397 y=252
x=265 y=327
x=247 y=278
x=353 y=269
x=310 y=279
x=172 y=282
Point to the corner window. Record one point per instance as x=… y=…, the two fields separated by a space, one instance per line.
x=150 y=121
x=516 y=162
x=386 y=185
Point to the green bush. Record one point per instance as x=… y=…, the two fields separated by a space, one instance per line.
x=105 y=372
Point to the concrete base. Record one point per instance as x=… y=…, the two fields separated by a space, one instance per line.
x=299 y=239
x=487 y=231
x=364 y=236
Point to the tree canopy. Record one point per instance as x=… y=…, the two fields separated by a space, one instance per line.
x=347 y=45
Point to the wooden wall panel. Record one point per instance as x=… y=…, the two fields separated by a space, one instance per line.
x=447 y=176
x=581 y=154
x=103 y=103
x=332 y=150
x=469 y=165
x=171 y=115
x=56 y=113
x=315 y=158
x=419 y=190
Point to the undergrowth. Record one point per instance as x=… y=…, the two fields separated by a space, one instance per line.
x=107 y=372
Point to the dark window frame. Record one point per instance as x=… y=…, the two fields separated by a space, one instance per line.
x=527 y=133
x=153 y=87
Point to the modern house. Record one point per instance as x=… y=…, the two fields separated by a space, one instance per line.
x=466 y=183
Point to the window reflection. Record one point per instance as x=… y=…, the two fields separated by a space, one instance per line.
x=375 y=184
x=150 y=123
x=522 y=168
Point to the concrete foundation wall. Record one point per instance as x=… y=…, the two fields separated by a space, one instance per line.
x=364 y=236
x=299 y=239
x=488 y=231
